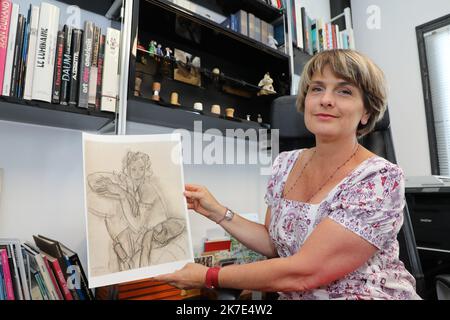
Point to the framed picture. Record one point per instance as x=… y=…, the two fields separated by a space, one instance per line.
x=187 y=68
x=136 y=214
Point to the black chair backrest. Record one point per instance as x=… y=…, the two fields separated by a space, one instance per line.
x=294 y=135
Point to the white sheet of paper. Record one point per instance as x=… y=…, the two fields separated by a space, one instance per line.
x=137 y=222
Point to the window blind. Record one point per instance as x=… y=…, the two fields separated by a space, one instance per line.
x=437 y=45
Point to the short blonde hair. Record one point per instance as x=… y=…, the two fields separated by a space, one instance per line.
x=355 y=68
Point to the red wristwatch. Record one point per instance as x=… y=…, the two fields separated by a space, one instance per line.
x=212 y=278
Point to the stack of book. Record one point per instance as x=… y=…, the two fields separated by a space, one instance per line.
x=316 y=35
x=45 y=270
x=67 y=66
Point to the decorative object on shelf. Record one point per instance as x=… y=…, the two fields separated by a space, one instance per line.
x=187 y=68
x=259 y=119
x=248 y=118
x=266 y=85
x=198 y=106
x=156 y=88
x=137 y=86
x=174 y=99
x=272 y=42
x=229 y=112
x=152 y=48
x=215 y=108
x=215 y=74
x=168 y=53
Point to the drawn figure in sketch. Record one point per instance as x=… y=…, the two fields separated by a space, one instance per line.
x=138 y=222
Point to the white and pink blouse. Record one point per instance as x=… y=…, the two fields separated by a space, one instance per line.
x=369 y=201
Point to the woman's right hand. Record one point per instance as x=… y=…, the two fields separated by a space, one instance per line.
x=202 y=201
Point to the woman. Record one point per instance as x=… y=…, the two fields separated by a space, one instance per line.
x=334 y=211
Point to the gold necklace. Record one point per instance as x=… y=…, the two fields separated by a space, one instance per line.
x=326 y=181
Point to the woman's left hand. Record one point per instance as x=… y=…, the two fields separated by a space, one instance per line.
x=191 y=276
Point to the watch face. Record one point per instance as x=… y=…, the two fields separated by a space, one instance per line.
x=229 y=215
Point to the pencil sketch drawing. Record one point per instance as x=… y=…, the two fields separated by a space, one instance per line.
x=142 y=220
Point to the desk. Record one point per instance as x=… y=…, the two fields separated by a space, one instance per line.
x=429 y=208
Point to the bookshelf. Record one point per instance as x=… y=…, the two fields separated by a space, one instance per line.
x=57 y=115
x=241 y=68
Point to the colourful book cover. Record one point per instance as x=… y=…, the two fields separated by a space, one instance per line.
x=7 y=275
x=5 y=17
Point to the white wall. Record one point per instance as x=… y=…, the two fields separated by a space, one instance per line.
x=317 y=8
x=394 y=48
x=43 y=185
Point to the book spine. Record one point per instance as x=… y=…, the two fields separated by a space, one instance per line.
x=2 y=283
x=83 y=279
x=61 y=281
x=46 y=277
x=94 y=67
x=52 y=277
x=70 y=278
x=31 y=56
x=76 y=49
x=5 y=19
x=7 y=275
x=45 y=52
x=10 y=51
x=17 y=56
x=42 y=287
x=101 y=57
x=58 y=68
x=66 y=66
x=24 y=54
x=16 y=280
x=110 y=89
x=85 y=65
x=251 y=25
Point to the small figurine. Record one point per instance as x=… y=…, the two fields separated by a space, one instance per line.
x=174 y=99
x=159 y=51
x=198 y=106
x=168 y=53
x=156 y=88
x=215 y=74
x=152 y=48
x=248 y=118
x=266 y=85
x=259 y=118
x=215 y=108
x=229 y=112
x=272 y=42
x=137 y=86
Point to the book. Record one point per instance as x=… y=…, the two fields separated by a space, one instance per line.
x=24 y=54
x=43 y=270
x=57 y=271
x=257 y=29
x=217 y=245
x=66 y=72
x=242 y=22
x=17 y=56
x=15 y=274
x=10 y=50
x=5 y=19
x=2 y=283
x=74 y=260
x=31 y=55
x=77 y=35
x=264 y=32
x=57 y=73
x=18 y=264
x=7 y=275
x=85 y=64
x=52 y=277
x=110 y=87
x=45 y=53
x=94 y=67
x=53 y=249
x=251 y=25
x=101 y=58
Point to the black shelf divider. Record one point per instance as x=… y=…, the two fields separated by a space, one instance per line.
x=142 y=110
x=219 y=28
x=53 y=115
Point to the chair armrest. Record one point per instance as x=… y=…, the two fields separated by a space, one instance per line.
x=443 y=286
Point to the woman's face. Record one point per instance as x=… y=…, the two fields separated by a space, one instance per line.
x=137 y=169
x=333 y=107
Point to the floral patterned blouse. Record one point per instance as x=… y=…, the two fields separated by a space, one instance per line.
x=369 y=201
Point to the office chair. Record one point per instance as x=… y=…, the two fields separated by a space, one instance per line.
x=294 y=135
